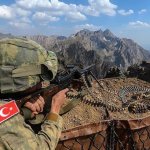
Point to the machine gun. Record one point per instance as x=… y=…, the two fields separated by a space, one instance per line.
x=64 y=79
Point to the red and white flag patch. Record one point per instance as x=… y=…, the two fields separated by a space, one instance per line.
x=8 y=110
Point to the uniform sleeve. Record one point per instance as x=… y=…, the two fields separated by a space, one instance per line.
x=17 y=135
x=50 y=131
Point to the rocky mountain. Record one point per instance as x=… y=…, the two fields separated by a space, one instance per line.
x=5 y=35
x=47 y=41
x=101 y=48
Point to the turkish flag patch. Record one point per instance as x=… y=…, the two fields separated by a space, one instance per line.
x=8 y=110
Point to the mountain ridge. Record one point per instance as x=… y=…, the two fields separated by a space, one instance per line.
x=102 y=48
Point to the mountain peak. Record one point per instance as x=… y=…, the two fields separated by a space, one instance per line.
x=108 y=33
x=83 y=32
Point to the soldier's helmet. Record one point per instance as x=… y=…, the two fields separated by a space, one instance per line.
x=23 y=63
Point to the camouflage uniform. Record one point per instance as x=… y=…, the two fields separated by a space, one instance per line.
x=20 y=69
x=15 y=134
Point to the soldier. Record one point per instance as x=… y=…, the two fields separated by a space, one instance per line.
x=24 y=66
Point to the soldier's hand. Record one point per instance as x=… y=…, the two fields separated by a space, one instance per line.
x=58 y=100
x=35 y=104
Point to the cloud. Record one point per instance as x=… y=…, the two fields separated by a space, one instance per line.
x=25 y=13
x=16 y=17
x=18 y=24
x=6 y=12
x=87 y=26
x=139 y=24
x=29 y=4
x=76 y=16
x=55 y=7
x=142 y=11
x=95 y=7
x=98 y=7
x=25 y=20
x=43 y=16
x=21 y=12
x=125 y=13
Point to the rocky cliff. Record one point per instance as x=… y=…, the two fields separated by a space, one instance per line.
x=102 y=48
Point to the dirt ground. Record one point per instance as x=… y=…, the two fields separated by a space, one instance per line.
x=108 y=92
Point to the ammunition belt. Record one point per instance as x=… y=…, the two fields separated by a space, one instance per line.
x=86 y=96
x=142 y=106
x=90 y=99
x=137 y=106
x=130 y=89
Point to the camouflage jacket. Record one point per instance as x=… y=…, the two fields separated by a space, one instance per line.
x=15 y=134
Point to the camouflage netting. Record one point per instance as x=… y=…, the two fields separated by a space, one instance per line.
x=92 y=127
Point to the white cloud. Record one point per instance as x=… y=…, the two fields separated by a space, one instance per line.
x=29 y=4
x=76 y=16
x=139 y=24
x=55 y=7
x=87 y=26
x=97 y=7
x=20 y=11
x=17 y=17
x=13 y=13
x=125 y=13
x=45 y=11
x=70 y=11
x=18 y=24
x=142 y=11
x=43 y=16
x=25 y=20
x=6 y=12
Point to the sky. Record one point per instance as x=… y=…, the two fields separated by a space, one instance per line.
x=124 y=18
